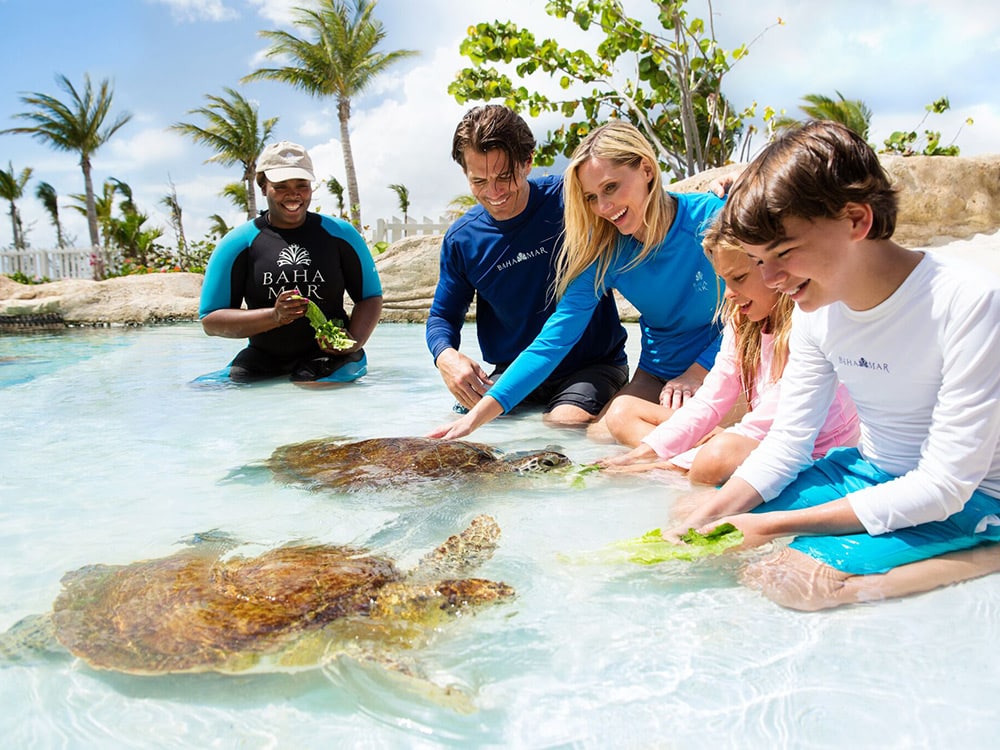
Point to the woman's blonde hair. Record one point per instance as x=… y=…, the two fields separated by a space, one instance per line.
x=749 y=334
x=589 y=238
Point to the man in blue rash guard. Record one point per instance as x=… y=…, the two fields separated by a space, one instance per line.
x=502 y=253
x=262 y=275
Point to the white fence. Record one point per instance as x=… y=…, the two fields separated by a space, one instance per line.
x=391 y=231
x=63 y=263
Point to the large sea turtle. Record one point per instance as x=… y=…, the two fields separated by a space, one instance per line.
x=290 y=608
x=394 y=461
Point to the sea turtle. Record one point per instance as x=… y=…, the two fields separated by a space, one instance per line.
x=290 y=608
x=387 y=462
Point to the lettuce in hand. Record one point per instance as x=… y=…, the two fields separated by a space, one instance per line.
x=651 y=548
x=329 y=333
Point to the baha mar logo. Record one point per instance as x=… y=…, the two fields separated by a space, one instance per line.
x=301 y=277
x=294 y=255
x=864 y=364
x=521 y=257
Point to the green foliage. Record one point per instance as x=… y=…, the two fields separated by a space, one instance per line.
x=77 y=125
x=23 y=278
x=236 y=133
x=651 y=548
x=853 y=113
x=11 y=190
x=329 y=333
x=675 y=98
x=380 y=247
x=905 y=143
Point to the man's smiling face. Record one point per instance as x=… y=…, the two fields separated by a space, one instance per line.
x=500 y=188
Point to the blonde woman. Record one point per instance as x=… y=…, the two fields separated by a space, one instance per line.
x=624 y=232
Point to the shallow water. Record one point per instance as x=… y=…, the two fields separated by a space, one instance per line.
x=109 y=455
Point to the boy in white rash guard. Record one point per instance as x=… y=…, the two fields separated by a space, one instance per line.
x=916 y=341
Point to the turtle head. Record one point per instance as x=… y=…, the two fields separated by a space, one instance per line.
x=433 y=603
x=524 y=462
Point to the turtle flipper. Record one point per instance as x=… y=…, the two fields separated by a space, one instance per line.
x=460 y=553
x=31 y=639
x=378 y=678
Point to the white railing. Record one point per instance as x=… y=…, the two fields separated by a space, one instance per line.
x=62 y=263
x=391 y=231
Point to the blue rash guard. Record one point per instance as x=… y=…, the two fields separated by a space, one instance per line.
x=508 y=267
x=674 y=289
x=255 y=262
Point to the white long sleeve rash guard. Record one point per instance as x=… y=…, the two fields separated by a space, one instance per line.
x=923 y=368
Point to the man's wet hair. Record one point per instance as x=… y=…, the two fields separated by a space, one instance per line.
x=493 y=127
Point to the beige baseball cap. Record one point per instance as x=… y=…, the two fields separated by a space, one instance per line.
x=285 y=160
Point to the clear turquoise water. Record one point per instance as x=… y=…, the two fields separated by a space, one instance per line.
x=108 y=454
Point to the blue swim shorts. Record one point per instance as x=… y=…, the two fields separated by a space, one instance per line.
x=843 y=471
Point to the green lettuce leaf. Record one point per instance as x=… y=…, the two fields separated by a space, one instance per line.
x=328 y=332
x=651 y=548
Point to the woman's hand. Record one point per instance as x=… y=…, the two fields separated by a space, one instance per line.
x=485 y=411
x=289 y=307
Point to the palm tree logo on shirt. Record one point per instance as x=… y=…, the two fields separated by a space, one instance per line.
x=700 y=284
x=294 y=255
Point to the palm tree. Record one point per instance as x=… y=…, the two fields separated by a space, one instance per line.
x=403 y=194
x=173 y=205
x=853 y=113
x=11 y=190
x=238 y=194
x=459 y=205
x=338 y=59
x=218 y=227
x=104 y=205
x=236 y=133
x=76 y=126
x=50 y=200
x=337 y=191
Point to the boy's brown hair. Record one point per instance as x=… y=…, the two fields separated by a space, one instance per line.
x=809 y=172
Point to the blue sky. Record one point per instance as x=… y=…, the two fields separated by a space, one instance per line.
x=164 y=56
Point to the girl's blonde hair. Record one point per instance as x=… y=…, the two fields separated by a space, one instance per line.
x=749 y=334
x=589 y=238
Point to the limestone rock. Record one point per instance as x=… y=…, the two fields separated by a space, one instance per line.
x=140 y=299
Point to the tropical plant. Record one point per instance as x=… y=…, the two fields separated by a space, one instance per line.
x=238 y=194
x=853 y=113
x=459 y=205
x=50 y=200
x=337 y=57
x=173 y=205
x=135 y=242
x=236 y=133
x=904 y=143
x=12 y=190
x=337 y=191
x=672 y=90
x=218 y=227
x=104 y=206
x=75 y=126
x=403 y=195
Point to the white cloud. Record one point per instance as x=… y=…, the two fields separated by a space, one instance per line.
x=198 y=10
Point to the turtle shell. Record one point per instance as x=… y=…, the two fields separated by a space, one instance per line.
x=397 y=461
x=194 y=612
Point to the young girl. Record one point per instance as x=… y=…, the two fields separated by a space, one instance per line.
x=624 y=232
x=750 y=363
